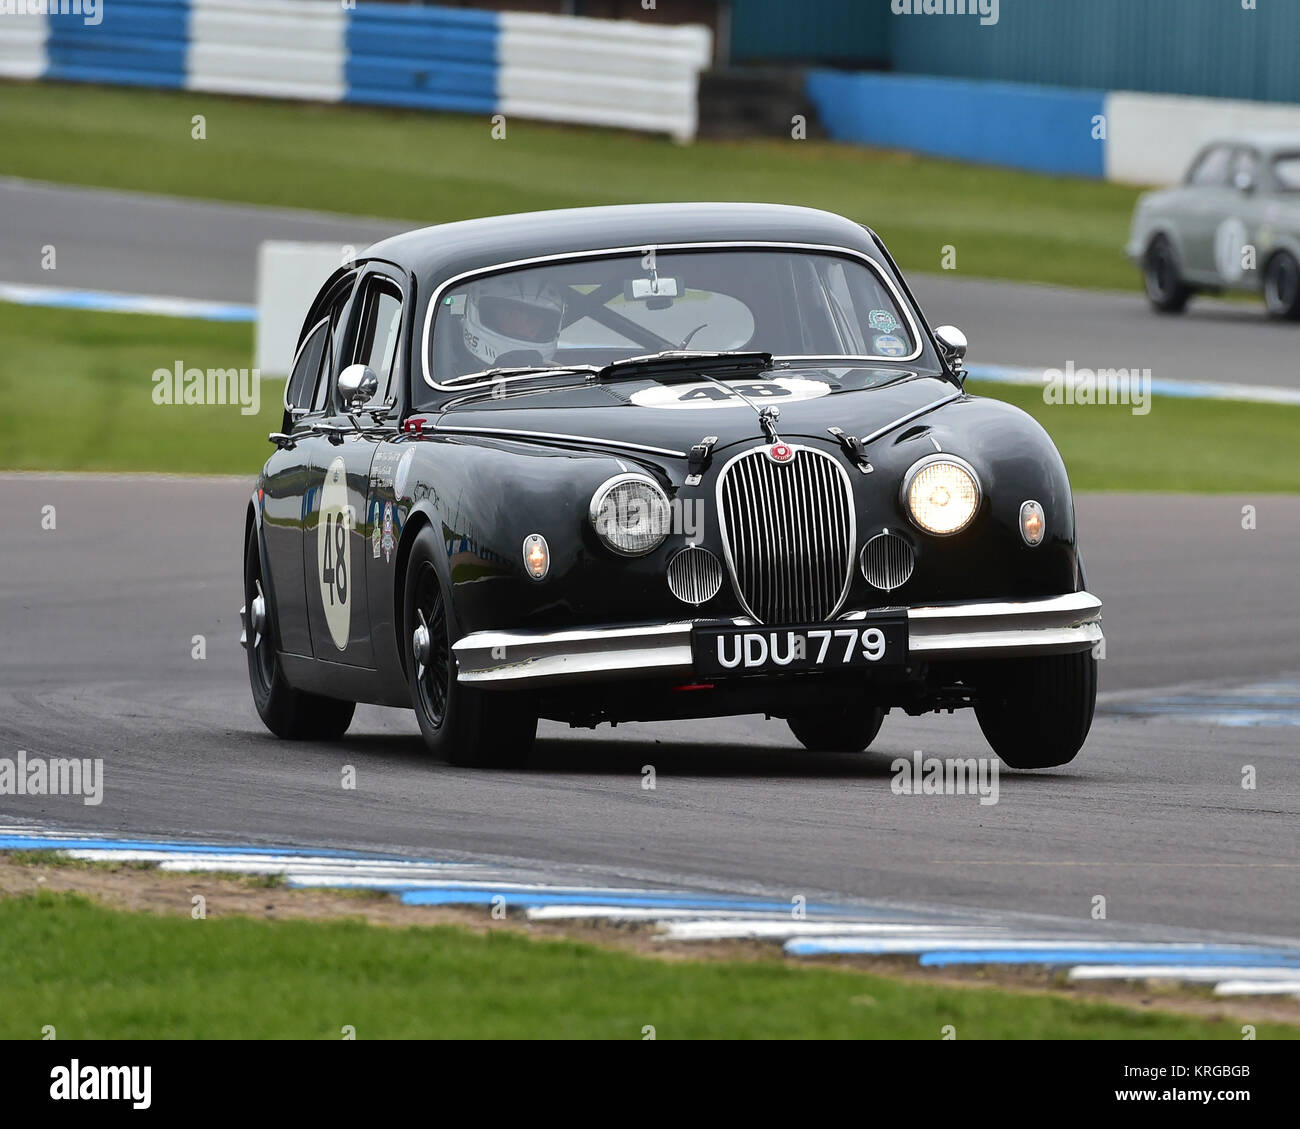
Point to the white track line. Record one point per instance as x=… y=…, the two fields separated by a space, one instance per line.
x=715 y=930
x=1196 y=974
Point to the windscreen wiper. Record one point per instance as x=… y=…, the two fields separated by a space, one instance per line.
x=520 y=370
x=687 y=362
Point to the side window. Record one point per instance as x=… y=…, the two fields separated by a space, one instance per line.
x=1211 y=171
x=301 y=389
x=379 y=333
x=1245 y=168
x=307 y=389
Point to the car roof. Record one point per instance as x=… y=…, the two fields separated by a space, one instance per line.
x=1264 y=141
x=448 y=249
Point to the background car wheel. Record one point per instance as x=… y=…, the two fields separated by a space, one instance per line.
x=462 y=725
x=1036 y=713
x=1282 y=287
x=1166 y=291
x=847 y=731
x=293 y=714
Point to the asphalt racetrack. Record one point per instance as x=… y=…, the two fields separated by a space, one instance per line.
x=100 y=615
x=140 y=244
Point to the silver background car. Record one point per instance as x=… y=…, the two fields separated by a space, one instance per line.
x=1233 y=224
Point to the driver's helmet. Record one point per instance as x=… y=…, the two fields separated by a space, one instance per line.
x=511 y=315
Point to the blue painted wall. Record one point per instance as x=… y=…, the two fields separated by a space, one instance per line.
x=1040 y=128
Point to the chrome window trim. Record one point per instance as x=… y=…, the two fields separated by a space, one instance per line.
x=726 y=537
x=606 y=252
x=288 y=407
x=920 y=465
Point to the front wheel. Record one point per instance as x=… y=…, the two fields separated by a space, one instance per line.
x=1036 y=713
x=1282 y=287
x=292 y=714
x=460 y=724
x=1166 y=291
x=839 y=731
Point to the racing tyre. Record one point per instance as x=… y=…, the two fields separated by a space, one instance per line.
x=293 y=714
x=846 y=731
x=1166 y=291
x=461 y=725
x=1036 y=713
x=1282 y=287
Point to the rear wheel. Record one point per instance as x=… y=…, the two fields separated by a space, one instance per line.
x=1036 y=713
x=1282 y=287
x=293 y=714
x=837 y=731
x=460 y=724
x=1166 y=291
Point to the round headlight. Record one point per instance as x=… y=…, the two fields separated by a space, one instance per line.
x=631 y=514
x=942 y=494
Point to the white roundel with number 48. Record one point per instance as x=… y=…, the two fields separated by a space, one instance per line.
x=706 y=394
x=334 y=553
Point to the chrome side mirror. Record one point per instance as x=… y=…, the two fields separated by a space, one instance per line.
x=952 y=346
x=1243 y=182
x=357 y=386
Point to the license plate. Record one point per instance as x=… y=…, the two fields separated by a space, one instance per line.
x=876 y=642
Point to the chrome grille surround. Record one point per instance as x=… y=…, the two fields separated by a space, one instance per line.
x=694 y=575
x=887 y=561
x=789 y=533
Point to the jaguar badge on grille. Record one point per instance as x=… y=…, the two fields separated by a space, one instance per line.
x=780 y=452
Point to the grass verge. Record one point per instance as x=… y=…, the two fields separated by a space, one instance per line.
x=96 y=972
x=430 y=168
x=80 y=385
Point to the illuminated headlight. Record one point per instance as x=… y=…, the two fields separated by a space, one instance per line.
x=942 y=494
x=630 y=514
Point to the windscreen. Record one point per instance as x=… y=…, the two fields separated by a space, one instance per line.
x=594 y=311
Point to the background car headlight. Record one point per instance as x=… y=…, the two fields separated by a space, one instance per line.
x=631 y=514
x=942 y=494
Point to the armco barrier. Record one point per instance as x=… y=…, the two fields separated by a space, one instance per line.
x=622 y=73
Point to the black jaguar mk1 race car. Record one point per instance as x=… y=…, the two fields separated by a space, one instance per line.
x=640 y=463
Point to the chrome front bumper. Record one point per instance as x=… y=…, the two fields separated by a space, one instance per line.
x=510 y=660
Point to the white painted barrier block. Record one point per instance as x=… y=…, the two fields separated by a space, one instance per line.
x=22 y=44
x=268 y=48
x=617 y=73
x=1152 y=138
x=289 y=276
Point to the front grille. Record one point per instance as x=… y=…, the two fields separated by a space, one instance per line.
x=887 y=561
x=694 y=575
x=789 y=531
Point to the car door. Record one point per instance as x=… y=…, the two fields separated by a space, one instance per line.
x=1238 y=233
x=1207 y=203
x=339 y=525
x=287 y=478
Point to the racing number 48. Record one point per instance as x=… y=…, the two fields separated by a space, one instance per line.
x=334 y=572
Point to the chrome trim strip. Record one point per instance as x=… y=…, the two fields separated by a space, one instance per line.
x=512 y=432
x=882 y=431
x=989 y=629
x=903 y=304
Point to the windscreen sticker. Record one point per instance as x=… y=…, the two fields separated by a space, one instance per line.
x=731 y=394
x=889 y=345
x=883 y=321
x=334 y=553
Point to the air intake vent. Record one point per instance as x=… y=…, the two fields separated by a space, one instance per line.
x=694 y=575
x=789 y=530
x=887 y=561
